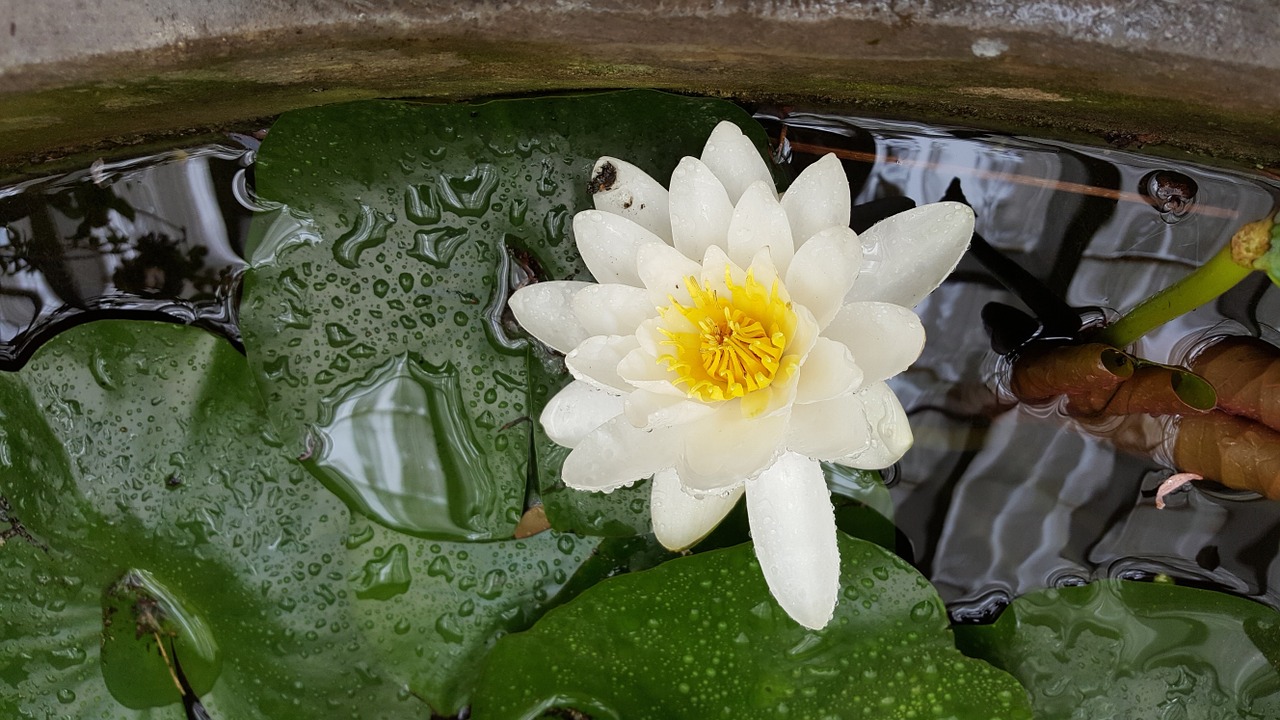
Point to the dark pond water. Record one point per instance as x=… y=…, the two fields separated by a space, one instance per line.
x=995 y=500
x=157 y=237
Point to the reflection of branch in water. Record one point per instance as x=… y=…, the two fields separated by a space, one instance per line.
x=29 y=295
x=43 y=250
x=181 y=229
x=91 y=205
x=160 y=269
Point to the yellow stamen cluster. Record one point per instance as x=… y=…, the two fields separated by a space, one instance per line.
x=727 y=347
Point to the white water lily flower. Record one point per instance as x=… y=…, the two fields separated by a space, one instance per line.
x=733 y=340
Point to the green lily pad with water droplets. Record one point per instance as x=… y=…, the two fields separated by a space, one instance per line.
x=1136 y=651
x=700 y=637
x=407 y=226
x=144 y=497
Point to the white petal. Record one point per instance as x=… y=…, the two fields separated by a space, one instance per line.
x=641 y=369
x=649 y=333
x=700 y=208
x=664 y=272
x=545 y=309
x=823 y=271
x=794 y=529
x=612 y=309
x=725 y=449
x=618 y=453
x=818 y=199
x=908 y=255
x=833 y=428
x=576 y=411
x=659 y=409
x=884 y=338
x=828 y=371
x=714 y=263
x=633 y=194
x=595 y=361
x=681 y=520
x=776 y=398
x=735 y=161
x=806 y=333
x=890 y=431
x=609 y=244
x=765 y=271
x=758 y=222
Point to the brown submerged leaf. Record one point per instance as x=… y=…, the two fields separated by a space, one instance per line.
x=1044 y=372
x=1246 y=373
x=1236 y=444
x=1152 y=390
x=1101 y=381
x=1236 y=452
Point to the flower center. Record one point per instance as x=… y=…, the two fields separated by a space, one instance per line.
x=724 y=346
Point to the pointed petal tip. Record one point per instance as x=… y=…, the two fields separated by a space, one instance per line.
x=911 y=253
x=793 y=528
x=576 y=411
x=617 y=454
x=724 y=130
x=891 y=436
x=734 y=160
x=813 y=606
x=815 y=615
x=817 y=199
x=620 y=188
x=544 y=310
x=830 y=166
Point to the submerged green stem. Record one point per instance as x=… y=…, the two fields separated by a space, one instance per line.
x=1210 y=280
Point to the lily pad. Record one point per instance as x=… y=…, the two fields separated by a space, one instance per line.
x=1130 y=650
x=376 y=299
x=147 y=504
x=862 y=503
x=700 y=637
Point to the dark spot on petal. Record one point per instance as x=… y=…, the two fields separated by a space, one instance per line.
x=604 y=179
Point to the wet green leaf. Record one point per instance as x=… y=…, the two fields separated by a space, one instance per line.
x=375 y=308
x=700 y=637
x=862 y=504
x=1133 y=651
x=146 y=498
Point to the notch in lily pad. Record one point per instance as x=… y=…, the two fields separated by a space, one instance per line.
x=145 y=627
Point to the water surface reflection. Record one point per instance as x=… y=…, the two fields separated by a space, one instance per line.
x=999 y=499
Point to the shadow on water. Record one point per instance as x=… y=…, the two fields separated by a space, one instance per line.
x=996 y=499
